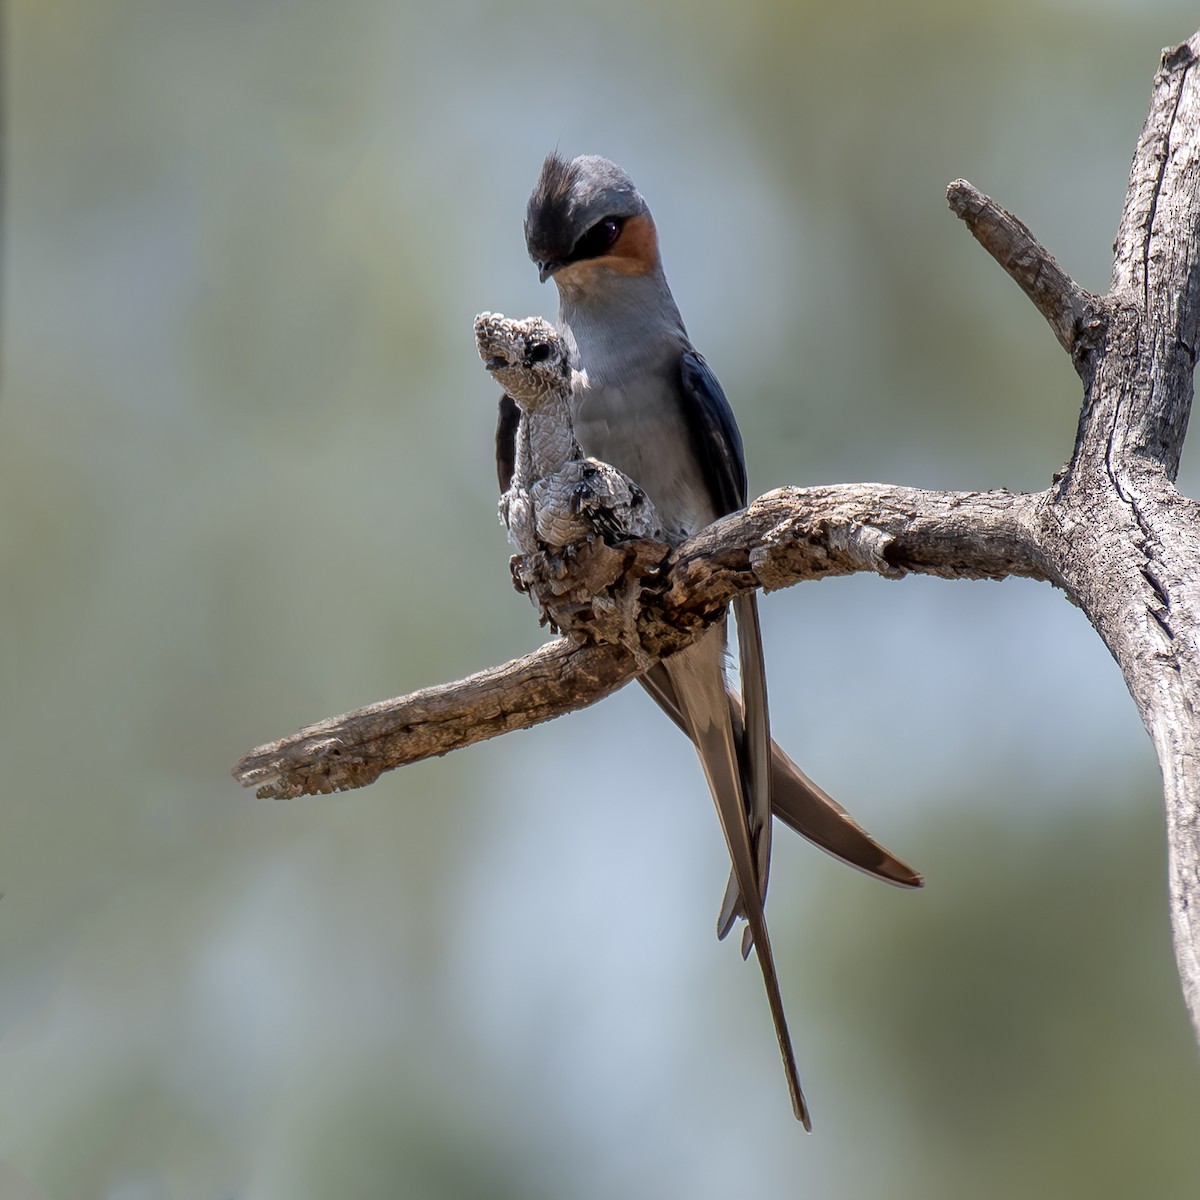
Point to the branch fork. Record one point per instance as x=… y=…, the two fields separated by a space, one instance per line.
x=1110 y=530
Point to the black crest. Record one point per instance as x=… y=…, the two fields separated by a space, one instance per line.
x=570 y=197
x=549 y=225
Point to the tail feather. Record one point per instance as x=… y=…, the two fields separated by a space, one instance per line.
x=800 y=803
x=754 y=749
x=697 y=678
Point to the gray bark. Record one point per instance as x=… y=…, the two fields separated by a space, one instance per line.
x=1112 y=531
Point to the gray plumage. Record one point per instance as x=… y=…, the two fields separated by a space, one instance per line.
x=645 y=401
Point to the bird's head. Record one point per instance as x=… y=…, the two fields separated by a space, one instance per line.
x=585 y=219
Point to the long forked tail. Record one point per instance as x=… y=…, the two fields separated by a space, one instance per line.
x=799 y=802
x=697 y=678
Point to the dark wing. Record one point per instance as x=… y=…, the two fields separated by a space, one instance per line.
x=507 y=419
x=718 y=447
x=717 y=442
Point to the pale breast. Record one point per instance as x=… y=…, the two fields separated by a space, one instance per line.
x=627 y=407
x=640 y=429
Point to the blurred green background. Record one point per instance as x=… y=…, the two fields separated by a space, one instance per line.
x=246 y=483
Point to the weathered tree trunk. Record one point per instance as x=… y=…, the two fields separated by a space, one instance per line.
x=1112 y=530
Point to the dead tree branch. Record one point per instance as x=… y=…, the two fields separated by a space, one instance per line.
x=1072 y=311
x=786 y=536
x=1111 y=530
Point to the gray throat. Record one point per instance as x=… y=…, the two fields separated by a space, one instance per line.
x=626 y=337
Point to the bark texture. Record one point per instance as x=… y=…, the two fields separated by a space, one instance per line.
x=784 y=537
x=1111 y=530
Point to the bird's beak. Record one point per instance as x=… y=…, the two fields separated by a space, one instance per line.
x=547 y=268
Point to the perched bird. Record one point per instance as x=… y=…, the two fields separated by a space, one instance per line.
x=556 y=497
x=647 y=402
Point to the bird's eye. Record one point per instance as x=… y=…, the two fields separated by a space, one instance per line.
x=598 y=239
x=539 y=352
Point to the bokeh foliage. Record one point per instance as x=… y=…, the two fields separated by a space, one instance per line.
x=245 y=483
